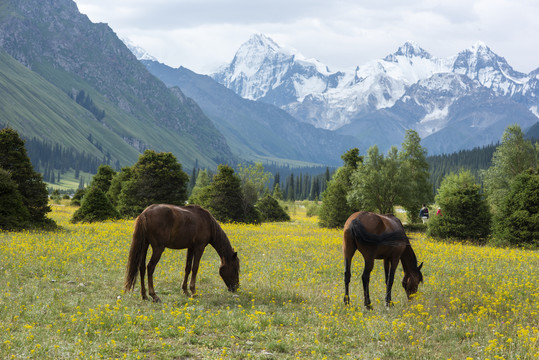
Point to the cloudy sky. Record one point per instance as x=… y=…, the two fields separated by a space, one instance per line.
x=203 y=34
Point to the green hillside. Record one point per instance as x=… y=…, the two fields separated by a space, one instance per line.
x=36 y=108
x=68 y=81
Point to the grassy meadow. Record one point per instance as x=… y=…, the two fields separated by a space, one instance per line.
x=61 y=298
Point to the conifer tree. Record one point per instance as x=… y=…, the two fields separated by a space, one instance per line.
x=517 y=221
x=226 y=198
x=95 y=207
x=465 y=212
x=13 y=213
x=14 y=159
x=156 y=178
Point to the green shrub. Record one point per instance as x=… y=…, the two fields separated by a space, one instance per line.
x=270 y=209
x=312 y=209
x=95 y=207
x=77 y=198
x=465 y=212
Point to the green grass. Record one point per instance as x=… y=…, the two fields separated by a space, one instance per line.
x=61 y=298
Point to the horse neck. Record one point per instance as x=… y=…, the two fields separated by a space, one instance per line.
x=220 y=242
x=408 y=259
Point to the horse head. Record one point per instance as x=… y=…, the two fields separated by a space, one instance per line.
x=230 y=272
x=411 y=280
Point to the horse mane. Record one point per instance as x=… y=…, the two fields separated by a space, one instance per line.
x=361 y=234
x=409 y=259
x=219 y=240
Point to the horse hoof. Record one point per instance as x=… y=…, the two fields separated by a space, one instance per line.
x=369 y=306
x=156 y=299
x=346 y=300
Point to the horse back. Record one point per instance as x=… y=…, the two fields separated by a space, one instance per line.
x=375 y=229
x=177 y=227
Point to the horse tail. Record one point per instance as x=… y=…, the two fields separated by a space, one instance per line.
x=136 y=253
x=361 y=234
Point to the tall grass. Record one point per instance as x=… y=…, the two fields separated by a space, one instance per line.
x=61 y=298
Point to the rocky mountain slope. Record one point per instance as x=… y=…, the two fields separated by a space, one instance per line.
x=62 y=46
x=256 y=130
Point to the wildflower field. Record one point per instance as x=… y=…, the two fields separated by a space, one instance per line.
x=61 y=297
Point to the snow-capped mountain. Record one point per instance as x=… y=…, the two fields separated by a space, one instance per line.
x=379 y=90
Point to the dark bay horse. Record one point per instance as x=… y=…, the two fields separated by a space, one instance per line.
x=178 y=227
x=379 y=237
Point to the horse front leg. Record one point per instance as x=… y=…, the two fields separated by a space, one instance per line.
x=391 y=267
x=156 y=255
x=369 y=265
x=197 y=254
x=188 y=265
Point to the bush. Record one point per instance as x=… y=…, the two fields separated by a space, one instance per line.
x=77 y=198
x=312 y=209
x=270 y=209
x=517 y=221
x=465 y=212
x=95 y=207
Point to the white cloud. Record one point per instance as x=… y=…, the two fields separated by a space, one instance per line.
x=201 y=34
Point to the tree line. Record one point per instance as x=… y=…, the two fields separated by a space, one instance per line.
x=48 y=158
x=474 y=160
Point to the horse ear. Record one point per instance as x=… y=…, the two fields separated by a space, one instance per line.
x=420 y=266
x=235 y=256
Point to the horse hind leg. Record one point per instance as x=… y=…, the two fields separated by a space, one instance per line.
x=142 y=271
x=188 y=265
x=156 y=255
x=369 y=265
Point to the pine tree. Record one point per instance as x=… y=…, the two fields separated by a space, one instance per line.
x=517 y=221
x=465 y=211
x=13 y=213
x=226 y=198
x=156 y=178
x=95 y=207
x=14 y=159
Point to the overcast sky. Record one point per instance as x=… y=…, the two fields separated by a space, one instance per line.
x=203 y=34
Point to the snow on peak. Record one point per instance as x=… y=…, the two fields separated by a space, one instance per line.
x=139 y=52
x=410 y=50
x=261 y=41
x=479 y=46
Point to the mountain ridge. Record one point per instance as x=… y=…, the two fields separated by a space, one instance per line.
x=260 y=131
x=345 y=101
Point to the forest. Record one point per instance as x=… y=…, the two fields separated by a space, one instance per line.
x=295 y=183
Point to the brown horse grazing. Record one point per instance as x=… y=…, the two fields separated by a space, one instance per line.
x=379 y=237
x=178 y=227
